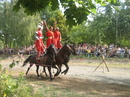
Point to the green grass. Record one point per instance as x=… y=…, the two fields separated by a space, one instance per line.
x=112 y=62
x=52 y=91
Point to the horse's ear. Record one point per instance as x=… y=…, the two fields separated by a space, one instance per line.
x=65 y=44
x=52 y=45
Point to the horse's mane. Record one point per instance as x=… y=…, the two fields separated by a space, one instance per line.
x=71 y=49
x=48 y=50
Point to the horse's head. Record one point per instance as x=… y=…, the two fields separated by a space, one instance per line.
x=73 y=49
x=51 y=52
x=70 y=49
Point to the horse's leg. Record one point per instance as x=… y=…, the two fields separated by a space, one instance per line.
x=44 y=70
x=37 y=70
x=29 y=68
x=49 y=69
x=56 y=69
x=54 y=66
x=66 y=70
x=58 y=72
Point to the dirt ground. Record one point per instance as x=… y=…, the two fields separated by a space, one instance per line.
x=82 y=79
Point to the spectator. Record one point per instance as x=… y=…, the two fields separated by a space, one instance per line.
x=118 y=52
x=126 y=53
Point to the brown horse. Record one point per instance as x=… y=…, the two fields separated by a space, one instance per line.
x=63 y=57
x=47 y=60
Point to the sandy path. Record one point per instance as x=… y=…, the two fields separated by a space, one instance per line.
x=81 y=78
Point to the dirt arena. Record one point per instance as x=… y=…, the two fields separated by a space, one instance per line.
x=82 y=79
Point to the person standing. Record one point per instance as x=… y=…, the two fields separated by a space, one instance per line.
x=57 y=37
x=39 y=45
x=49 y=35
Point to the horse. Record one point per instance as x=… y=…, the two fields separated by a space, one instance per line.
x=46 y=60
x=63 y=57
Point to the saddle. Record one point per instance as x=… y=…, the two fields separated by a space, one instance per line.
x=42 y=59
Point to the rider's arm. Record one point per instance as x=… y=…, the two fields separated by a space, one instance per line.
x=36 y=35
x=47 y=29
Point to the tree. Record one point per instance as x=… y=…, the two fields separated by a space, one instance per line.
x=17 y=29
x=124 y=24
x=79 y=34
x=112 y=25
x=56 y=16
x=76 y=11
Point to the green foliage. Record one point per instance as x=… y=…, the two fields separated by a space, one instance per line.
x=17 y=28
x=1 y=43
x=125 y=42
x=12 y=64
x=74 y=9
x=56 y=16
x=19 y=87
x=79 y=34
x=108 y=26
x=0 y=67
x=13 y=88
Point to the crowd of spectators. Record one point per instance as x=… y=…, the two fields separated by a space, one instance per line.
x=82 y=49
x=105 y=50
x=22 y=50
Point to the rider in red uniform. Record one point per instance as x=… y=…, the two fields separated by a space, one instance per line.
x=59 y=45
x=39 y=42
x=49 y=35
x=57 y=37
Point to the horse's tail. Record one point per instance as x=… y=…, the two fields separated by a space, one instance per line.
x=26 y=61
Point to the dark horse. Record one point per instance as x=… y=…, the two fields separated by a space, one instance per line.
x=46 y=60
x=63 y=56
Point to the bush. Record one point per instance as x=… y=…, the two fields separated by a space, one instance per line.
x=10 y=87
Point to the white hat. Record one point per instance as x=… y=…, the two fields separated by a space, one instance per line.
x=39 y=27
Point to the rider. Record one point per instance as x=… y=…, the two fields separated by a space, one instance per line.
x=49 y=35
x=57 y=37
x=39 y=41
x=59 y=45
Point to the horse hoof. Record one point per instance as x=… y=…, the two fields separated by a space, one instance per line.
x=65 y=72
x=39 y=77
x=56 y=75
x=51 y=79
x=62 y=72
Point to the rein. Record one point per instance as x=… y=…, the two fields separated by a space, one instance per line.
x=40 y=64
x=70 y=48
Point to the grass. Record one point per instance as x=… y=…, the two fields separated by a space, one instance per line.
x=46 y=90
x=52 y=91
x=112 y=62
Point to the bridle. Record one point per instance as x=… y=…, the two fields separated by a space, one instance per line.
x=70 y=48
